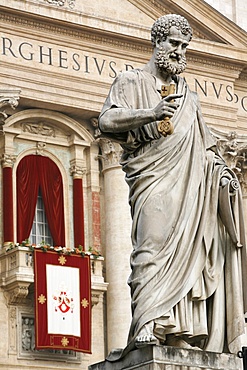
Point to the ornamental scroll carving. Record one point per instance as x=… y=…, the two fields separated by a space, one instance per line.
x=233 y=148
x=17 y=293
x=71 y=3
x=6 y=102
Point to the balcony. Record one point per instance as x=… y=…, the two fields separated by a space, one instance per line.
x=16 y=274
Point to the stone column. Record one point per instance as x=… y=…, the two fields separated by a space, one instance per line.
x=118 y=245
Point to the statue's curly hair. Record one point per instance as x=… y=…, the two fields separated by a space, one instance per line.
x=162 y=25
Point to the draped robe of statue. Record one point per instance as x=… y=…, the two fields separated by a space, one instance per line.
x=188 y=240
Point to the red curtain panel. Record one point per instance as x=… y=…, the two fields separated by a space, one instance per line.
x=8 y=221
x=36 y=172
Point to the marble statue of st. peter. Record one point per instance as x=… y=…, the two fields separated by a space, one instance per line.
x=187 y=233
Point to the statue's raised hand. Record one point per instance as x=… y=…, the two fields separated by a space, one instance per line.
x=166 y=107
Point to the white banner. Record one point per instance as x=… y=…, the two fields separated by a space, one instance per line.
x=63 y=300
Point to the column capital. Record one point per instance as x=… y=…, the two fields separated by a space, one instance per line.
x=76 y=170
x=8 y=160
x=233 y=148
x=110 y=153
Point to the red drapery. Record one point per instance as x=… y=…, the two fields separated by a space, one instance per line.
x=27 y=180
x=34 y=172
x=8 y=229
x=78 y=208
x=51 y=185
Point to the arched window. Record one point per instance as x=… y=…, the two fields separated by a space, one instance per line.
x=38 y=173
x=40 y=230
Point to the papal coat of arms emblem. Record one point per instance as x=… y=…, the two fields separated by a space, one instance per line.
x=63 y=300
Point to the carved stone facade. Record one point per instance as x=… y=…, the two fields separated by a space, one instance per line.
x=58 y=60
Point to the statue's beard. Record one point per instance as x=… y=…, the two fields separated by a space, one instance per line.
x=173 y=68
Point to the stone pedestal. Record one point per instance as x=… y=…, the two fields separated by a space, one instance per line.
x=171 y=358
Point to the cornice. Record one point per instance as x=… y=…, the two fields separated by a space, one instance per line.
x=203 y=53
x=114 y=43
x=227 y=52
x=213 y=66
x=211 y=62
x=85 y=34
x=80 y=20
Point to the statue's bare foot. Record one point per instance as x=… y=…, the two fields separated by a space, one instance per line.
x=145 y=340
x=146 y=336
x=179 y=342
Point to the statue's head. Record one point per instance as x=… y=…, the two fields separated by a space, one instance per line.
x=170 y=37
x=162 y=25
